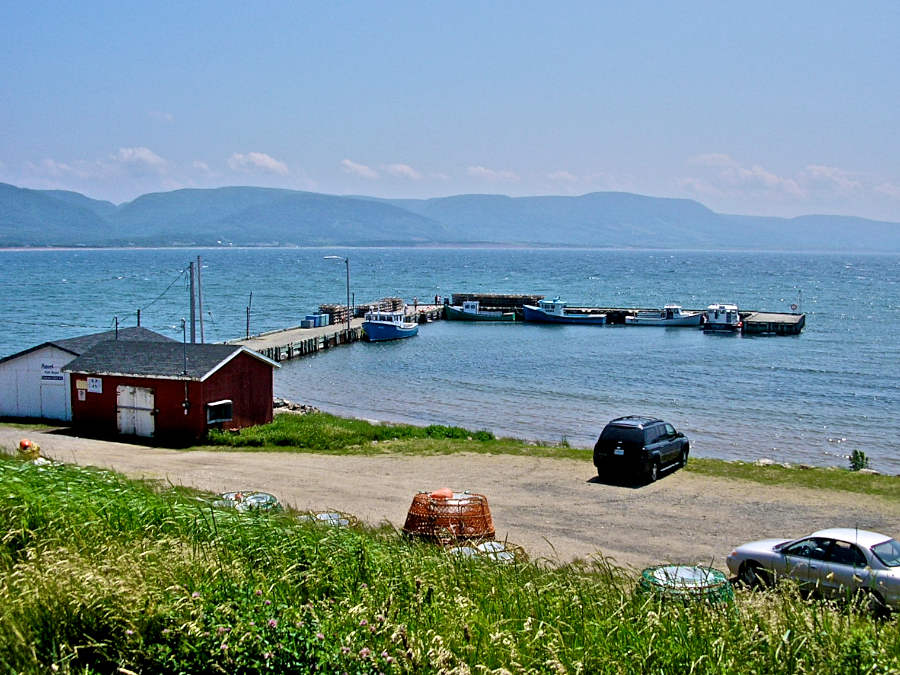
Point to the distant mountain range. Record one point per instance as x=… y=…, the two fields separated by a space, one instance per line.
x=249 y=216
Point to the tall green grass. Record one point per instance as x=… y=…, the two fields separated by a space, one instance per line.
x=99 y=574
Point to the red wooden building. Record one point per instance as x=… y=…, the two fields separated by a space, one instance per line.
x=168 y=390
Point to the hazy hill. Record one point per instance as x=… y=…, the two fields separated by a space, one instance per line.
x=40 y=218
x=603 y=219
x=266 y=216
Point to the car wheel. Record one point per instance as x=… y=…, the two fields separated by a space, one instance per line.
x=653 y=472
x=682 y=459
x=750 y=575
x=873 y=604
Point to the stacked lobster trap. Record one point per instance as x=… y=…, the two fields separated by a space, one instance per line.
x=444 y=517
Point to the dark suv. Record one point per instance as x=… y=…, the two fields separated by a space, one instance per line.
x=642 y=446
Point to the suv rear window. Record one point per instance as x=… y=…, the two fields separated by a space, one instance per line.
x=630 y=435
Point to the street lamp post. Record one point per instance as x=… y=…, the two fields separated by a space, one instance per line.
x=347 y=262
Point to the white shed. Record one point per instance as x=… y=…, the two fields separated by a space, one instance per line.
x=32 y=383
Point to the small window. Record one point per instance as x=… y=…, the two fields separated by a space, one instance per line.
x=219 y=411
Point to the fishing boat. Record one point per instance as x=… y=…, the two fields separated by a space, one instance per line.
x=380 y=326
x=722 y=318
x=670 y=315
x=471 y=311
x=557 y=311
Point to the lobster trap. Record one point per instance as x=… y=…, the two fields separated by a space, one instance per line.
x=442 y=519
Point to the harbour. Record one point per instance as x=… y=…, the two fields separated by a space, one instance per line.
x=810 y=398
x=298 y=341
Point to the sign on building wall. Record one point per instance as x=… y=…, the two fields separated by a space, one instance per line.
x=95 y=385
x=50 y=373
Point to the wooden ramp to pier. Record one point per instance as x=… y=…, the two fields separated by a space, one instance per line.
x=292 y=343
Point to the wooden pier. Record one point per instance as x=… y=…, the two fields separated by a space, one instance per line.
x=292 y=343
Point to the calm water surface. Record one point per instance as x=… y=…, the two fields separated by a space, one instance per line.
x=811 y=398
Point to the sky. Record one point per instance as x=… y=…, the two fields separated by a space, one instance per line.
x=762 y=108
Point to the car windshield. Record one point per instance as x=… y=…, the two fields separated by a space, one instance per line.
x=888 y=552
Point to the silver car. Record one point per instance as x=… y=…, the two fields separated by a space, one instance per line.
x=838 y=562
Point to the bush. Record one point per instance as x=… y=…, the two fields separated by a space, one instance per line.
x=858 y=460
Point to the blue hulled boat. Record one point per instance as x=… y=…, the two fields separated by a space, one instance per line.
x=380 y=326
x=556 y=311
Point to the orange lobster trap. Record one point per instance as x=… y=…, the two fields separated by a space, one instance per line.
x=444 y=516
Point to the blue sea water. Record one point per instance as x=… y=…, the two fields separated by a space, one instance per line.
x=812 y=398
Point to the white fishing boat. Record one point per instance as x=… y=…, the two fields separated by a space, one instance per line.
x=722 y=318
x=670 y=315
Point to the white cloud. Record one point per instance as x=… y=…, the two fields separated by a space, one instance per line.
x=360 y=170
x=140 y=161
x=889 y=189
x=733 y=180
x=257 y=162
x=160 y=116
x=404 y=171
x=830 y=181
x=492 y=175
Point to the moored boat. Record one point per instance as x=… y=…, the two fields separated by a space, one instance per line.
x=471 y=311
x=724 y=318
x=670 y=315
x=557 y=311
x=380 y=326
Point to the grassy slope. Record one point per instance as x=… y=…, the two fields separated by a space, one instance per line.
x=99 y=574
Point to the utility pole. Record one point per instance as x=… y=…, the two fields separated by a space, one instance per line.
x=139 y=318
x=249 y=304
x=200 y=299
x=193 y=308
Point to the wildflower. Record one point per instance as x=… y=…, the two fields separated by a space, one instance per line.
x=273 y=623
x=380 y=618
x=345 y=650
x=166 y=631
x=129 y=632
x=363 y=623
x=195 y=594
x=252 y=623
x=221 y=629
x=384 y=654
x=224 y=647
x=258 y=592
x=268 y=655
x=267 y=602
x=320 y=636
x=364 y=653
x=364 y=586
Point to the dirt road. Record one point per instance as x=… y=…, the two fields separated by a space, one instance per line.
x=554 y=508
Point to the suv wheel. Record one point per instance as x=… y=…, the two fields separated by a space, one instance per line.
x=653 y=473
x=682 y=459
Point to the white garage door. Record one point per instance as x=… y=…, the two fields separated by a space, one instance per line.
x=134 y=409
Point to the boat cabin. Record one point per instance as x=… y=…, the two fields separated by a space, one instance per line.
x=554 y=307
x=470 y=306
x=722 y=317
x=385 y=317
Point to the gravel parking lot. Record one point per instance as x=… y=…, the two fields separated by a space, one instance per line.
x=555 y=509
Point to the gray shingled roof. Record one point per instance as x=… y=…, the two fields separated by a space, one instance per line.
x=79 y=345
x=165 y=360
